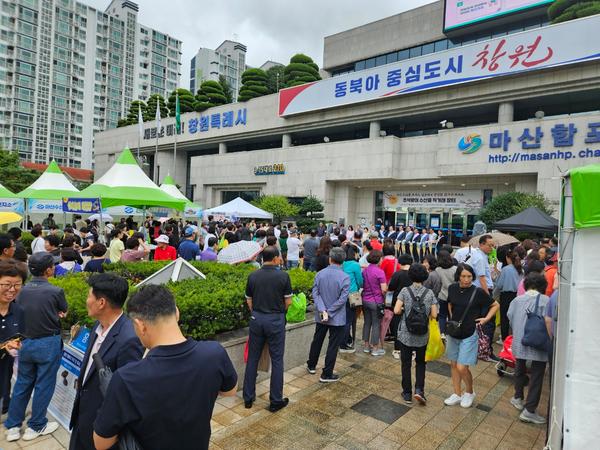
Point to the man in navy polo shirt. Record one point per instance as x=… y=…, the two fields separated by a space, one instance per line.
x=166 y=400
x=268 y=295
x=188 y=249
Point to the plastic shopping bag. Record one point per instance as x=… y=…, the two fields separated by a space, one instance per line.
x=435 y=345
x=297 y=311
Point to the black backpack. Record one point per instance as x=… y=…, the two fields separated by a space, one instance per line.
x=417 y=319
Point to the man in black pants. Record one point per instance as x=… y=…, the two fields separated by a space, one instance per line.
x=268 y=295
x=330 y=294
x=398 y=282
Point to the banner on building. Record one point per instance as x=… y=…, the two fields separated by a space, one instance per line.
x=571 y=42
x=466 y=199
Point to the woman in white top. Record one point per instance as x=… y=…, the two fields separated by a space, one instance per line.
x=38 y=244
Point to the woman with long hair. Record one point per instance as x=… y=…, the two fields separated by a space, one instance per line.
x=446 y=270
x=506 y=287
x=322 y=259
x=374 y=290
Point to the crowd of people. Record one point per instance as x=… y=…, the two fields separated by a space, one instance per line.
x=400 y=289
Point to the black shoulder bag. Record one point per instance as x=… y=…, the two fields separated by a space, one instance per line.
x=453 y=328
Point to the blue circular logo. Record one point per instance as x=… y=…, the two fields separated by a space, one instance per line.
x=470 y=143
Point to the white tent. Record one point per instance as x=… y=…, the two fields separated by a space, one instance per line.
x=191 y=209
x=239 y=208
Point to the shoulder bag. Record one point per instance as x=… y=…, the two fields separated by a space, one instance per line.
x=536 y=334
x=453 y=328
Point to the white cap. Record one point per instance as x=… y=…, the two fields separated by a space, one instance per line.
x=162 y=238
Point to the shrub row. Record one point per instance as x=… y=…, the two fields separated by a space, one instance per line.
x=206 y=307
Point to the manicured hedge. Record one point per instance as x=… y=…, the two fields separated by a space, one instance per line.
x=206 y=307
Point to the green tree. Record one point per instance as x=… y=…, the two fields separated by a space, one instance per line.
x=227 y=91
x=275 y=77
x=186 y=101
x=278 y=205
x=301 y=70
x=132 y=115
x=123 y=122
x=311 y=212
x=510 y=203
x=13 y=175
x=151 y=108
x=254 y=84
x=210 y=94
x=564 y=10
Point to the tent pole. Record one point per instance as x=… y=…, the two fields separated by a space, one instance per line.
x=101 y=238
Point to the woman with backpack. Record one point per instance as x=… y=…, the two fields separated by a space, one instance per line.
x=416 y=304
x=530 y=306
x=468 y=305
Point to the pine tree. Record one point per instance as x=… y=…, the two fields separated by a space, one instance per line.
x=151 y=108
x=227 y=91
x=186 y=101
x=301 y=70
x=564 y=10
x=210 y=94
x=132 y=115
x=254 y=84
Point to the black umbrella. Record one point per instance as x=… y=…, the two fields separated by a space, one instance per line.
x=127 y=440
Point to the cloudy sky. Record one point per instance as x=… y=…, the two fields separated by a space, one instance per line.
x=271 y=29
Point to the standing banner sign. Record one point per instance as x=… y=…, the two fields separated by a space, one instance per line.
x=571 y=42
x=67 y=378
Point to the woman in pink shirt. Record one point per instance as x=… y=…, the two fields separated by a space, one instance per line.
x=374 y=290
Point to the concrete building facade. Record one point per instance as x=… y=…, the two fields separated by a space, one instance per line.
x=228 y=60
x=400 y=158
x=68 y=71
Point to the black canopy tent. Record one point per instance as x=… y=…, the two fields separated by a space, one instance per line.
x=531 y=220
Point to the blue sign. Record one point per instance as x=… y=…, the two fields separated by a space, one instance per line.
x=82 y=339
x=560 y=138
x=81 y=205
x=228 y=119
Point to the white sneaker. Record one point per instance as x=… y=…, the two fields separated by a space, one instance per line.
x=517 y=403
x=467 y=400
x=13 y=434
x=453 y=400
x=30 y=434
x=526 y=416
x=396 y=354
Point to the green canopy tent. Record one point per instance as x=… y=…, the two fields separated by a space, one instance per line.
x=191 y=209
x=51 y=185
x=10 y=202
x=126 y=184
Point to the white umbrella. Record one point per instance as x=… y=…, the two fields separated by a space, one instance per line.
x=105 y=217
x=500 y=239
x=238 y=252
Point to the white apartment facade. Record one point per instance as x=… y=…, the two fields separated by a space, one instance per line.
x=68 y=71
x=228 y=59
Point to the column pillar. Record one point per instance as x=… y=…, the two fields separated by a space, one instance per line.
x=374 y=129
x=506 y=112
x=222 y=148
x=286 y=140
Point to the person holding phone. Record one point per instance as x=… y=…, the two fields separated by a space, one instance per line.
x=12 y=278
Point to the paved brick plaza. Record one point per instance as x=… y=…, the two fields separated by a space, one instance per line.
x=362 y=411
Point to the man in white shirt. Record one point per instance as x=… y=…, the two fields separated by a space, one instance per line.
x=293 y=254
x=463 y=254
x=38 y=244
x=479 y=261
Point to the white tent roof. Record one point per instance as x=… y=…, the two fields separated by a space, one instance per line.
x=239 y=208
